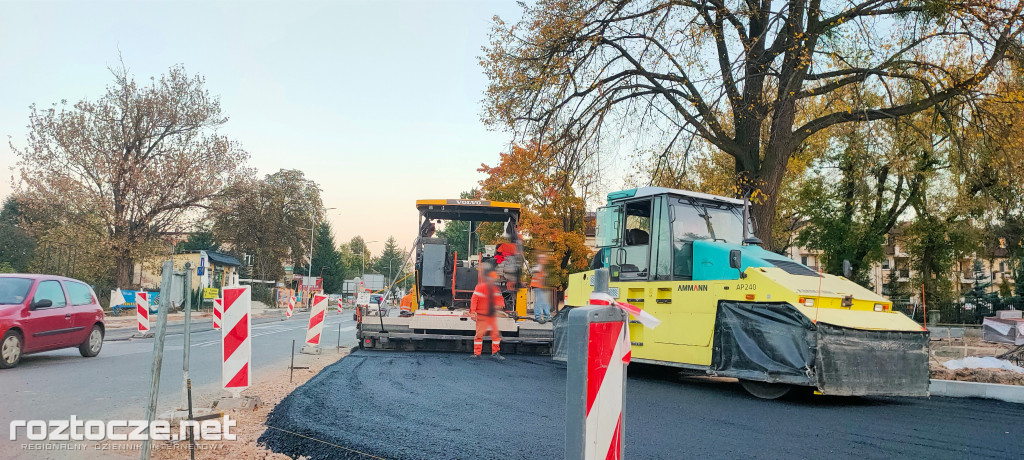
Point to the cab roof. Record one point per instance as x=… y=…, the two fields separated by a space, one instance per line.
x=468 y=210
x=652 y=191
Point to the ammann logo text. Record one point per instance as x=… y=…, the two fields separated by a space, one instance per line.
x=693 y=287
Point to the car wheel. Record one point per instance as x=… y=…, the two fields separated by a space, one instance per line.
x=10 y=350
x=92 y=345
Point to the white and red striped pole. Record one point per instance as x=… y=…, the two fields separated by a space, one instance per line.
x=236 y=345
x=142 y=310
x=339 y=305
x=291 y=307
x=317 y=315
x=218 y=311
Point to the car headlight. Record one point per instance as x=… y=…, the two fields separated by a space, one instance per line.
x=879 y=307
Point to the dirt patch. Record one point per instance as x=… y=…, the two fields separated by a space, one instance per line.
x=1000 y=376
x=946 y=349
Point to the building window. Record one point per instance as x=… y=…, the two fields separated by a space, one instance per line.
x=886 y=264
x=1002 y=266
x=803 y=260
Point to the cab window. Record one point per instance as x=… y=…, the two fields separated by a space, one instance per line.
x=50 y=290
x=661 y=240
x=633 y=256
x=695 y=220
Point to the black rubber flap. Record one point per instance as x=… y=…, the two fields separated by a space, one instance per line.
x=766 y=342
x=863 y=362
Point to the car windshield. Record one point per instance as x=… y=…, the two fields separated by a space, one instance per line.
x=14 y=290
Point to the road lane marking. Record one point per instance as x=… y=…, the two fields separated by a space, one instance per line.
x=266 y=332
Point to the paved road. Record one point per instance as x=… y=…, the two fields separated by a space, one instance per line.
x=115 y=384
x=446 y=406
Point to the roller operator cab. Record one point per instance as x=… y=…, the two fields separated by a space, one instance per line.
x=731 y=308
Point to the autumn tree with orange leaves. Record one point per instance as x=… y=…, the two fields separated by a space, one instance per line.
x=553 y=212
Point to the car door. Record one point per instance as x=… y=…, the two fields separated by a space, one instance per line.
x=82 y=305
x=52 y=324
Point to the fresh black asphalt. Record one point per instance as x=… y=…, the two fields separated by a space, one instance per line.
x=432 y=406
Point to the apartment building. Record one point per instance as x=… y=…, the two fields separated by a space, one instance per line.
x=996 y=265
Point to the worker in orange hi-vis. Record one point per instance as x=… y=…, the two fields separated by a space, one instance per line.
x=484 y=308
x=406 y=306
x=541 y=294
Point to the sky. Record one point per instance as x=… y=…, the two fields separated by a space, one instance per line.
x=377 y=101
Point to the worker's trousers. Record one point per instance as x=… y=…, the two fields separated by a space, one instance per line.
x=483 y=324
x=541 y=304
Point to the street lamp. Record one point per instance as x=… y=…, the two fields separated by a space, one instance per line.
x=362 y=256
x=309 y=271
x=312 y=216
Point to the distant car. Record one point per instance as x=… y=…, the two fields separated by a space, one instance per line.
x=44 y=312
x=376 y=307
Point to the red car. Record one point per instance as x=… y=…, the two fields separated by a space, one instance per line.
x=43 y=313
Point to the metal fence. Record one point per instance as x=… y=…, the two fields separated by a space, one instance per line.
x=956 y=312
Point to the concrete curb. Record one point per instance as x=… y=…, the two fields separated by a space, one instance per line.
x=958 y=389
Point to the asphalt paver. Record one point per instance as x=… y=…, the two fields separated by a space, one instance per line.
x=439 y=406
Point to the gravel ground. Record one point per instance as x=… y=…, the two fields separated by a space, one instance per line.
x=427 y=406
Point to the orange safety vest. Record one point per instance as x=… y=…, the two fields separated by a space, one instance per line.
x=480 y=304
x=407 y=302
x=538 y=279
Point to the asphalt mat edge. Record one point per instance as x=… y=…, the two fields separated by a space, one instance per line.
x=419 y=405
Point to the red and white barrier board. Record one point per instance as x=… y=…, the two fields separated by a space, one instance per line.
x=142 y=310
x=291 y=307
x=218 y=311
x=607 y=358
x=236 y=345
x=317 y=314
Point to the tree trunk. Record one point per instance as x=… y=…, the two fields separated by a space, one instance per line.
x=125 y=272
x=768 y=178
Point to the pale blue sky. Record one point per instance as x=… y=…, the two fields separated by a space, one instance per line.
x=378 y=101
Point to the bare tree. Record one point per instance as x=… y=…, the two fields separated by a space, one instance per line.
x=141 y=160
x=753 y=78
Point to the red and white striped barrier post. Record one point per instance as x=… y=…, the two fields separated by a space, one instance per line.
x=218 y=309
x=339 y=305
x=142 y=311
x=236 y=345
x=291 y=307
x=599 y=350
x=317 y=314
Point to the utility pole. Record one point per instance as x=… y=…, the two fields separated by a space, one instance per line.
x=158 y=352
x=188 y=334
